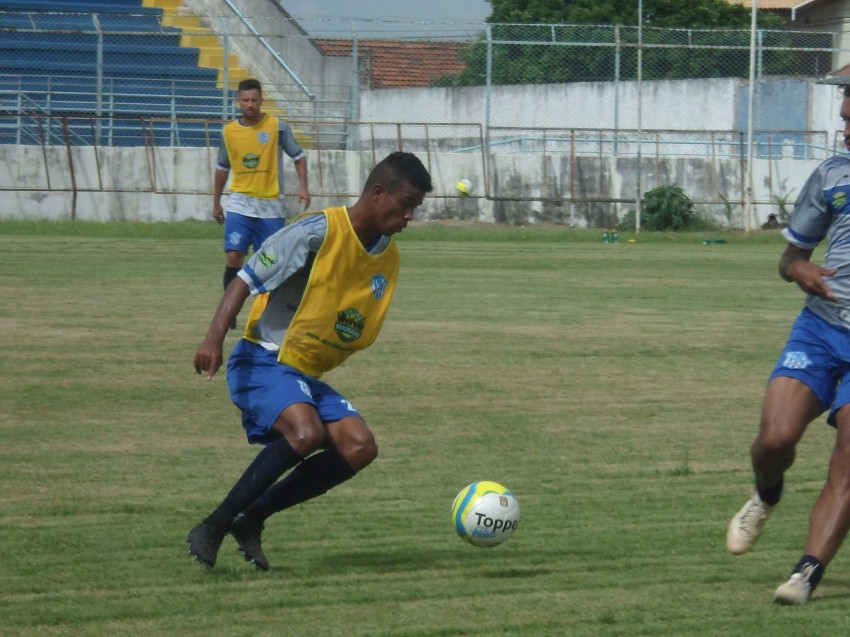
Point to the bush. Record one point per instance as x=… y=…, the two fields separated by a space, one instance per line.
x=663 y=208
x=668 y=208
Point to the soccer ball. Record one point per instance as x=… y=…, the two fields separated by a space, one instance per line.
x=463 y=187
x=485 y=514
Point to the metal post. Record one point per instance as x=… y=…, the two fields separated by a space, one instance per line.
x=488 y=89
x=225 y=70
x=98 y=77
x=748 y=187
x=639 y=111
x=617 y=51
x=354 y=109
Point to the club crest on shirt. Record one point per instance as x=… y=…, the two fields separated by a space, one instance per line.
x=266 y=258
x=349 y=325
x=263 y=136
x=839 y=199
x=379 y=286
x=251 y=160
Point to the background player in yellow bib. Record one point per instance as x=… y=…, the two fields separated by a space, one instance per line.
x=322 y=286
x=250 y=155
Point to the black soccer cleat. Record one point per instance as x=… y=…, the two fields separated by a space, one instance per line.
x=204 y=541
x=246 y=530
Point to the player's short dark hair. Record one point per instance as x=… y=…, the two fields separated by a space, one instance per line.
x=847 y=90
x=250 y=84
x=399 y=168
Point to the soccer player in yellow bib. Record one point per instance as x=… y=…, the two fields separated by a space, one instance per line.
x=322 y=287
x=250 y=156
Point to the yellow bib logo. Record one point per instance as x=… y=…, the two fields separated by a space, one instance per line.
x=349 y=325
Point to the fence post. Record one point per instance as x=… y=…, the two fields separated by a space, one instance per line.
x=617 y=50
x=225 y=72
x=354 y=99
x=98 y=77
x=488 y=89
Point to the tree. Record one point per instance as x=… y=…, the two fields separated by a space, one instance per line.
x=696 y=14
x=571 y=51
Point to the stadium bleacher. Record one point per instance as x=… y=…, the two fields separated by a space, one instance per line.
x=102 y=57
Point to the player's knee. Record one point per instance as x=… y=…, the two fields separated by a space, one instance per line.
x=360 y=451
x=234 y=259
x=773 y=443
x=839 y=465
x=304 y=437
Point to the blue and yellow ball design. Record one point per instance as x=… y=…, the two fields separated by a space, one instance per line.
x=485 y=513
x=463 y=187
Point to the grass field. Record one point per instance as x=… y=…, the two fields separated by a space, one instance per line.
x=614 y=388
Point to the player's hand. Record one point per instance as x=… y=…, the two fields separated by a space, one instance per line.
x=208 y=358
x=218 y=213
x=812 y=278
x=305 y=198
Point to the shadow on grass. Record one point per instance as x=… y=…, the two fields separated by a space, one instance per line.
x=481 y=563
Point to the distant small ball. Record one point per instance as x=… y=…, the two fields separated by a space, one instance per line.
x=464 y=187
x=485 y=514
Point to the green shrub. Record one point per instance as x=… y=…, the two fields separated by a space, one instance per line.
x=668 y=208
x=663 y=208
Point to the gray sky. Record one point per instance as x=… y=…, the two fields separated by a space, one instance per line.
x=389 y=18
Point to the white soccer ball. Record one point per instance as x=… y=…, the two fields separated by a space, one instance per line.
x=485 y=514
x=463 y=187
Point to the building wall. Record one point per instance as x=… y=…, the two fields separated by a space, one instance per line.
x=830 y=17
x=708 y=104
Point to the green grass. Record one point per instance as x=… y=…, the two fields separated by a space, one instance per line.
x=614 y=388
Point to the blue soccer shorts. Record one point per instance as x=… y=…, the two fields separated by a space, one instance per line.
x=818 y=354
x=262 y=388
x=241 y=231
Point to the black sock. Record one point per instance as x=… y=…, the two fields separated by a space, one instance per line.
x=816 y=569
x=229 y=275
x=772 y=495
x=267 y=467
x=313 y=477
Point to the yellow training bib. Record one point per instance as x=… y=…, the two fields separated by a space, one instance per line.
x=345 y=301
x=253 y=155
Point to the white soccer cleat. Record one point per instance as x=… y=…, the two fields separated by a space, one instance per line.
x=746 y=526
x=797 y=589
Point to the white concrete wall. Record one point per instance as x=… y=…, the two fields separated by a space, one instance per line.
x=133 y=184
x=684 y=104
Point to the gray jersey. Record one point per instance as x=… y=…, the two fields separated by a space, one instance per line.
x=282 y=267
x=822 y=212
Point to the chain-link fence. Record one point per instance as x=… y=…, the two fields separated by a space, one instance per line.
x=532 y=94
x=610 y=60
x=143 y=63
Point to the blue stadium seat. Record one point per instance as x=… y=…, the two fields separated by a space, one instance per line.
x=48 y=64
x=86 y=6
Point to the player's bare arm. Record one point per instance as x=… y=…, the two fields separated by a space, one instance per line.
x=218 y=189
x=209 y=357
x=795 y=265
x=303 y=189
